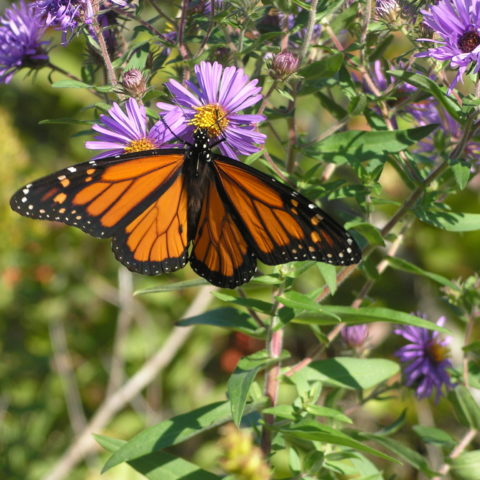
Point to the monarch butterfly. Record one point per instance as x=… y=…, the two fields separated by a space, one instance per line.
x=155 y=204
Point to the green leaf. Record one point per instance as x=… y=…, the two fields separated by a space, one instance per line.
x=242 y=378
x=325 y=68
x=314 y=431
x=299 y=301
x=466 y=466
x=354 y=316
x=448 y=220
x=465 y=407
x=109 y=443
x=473 y=347
x=70 y=84
x=139 y=57
x=400 y=450
x=165 y=466
x=172 y=287
x=346 y=372
x=362 y=145
x=329 y=274
x=226 y=317
x=404 y=266
x=434 y=435
x=320 y=411
x=282 y=411
x=159 y=465
x=461 y=172
x=432 y=88
x=173 y=431
x=369 y=231
x=253 y=303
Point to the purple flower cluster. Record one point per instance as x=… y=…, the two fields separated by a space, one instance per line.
x=21 y=29
x=457 y=23
x=214 y=104
x=23 y=25
x=426 y=359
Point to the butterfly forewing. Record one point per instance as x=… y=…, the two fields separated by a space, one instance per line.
x=220 y=252
x=281 y=224
x=130 y=198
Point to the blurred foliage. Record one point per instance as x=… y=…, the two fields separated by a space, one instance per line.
x=57 y=281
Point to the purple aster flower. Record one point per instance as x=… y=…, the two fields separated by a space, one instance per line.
x=355 y=335
x=122 y=132
x=427 y=360
x=457 y=22
x=69 y=15
x=63 y=15
x=214 y=105
x=20 y=45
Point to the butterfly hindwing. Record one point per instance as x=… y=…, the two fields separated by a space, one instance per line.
x=156 y=241
x=220 y=252
x=282 y=225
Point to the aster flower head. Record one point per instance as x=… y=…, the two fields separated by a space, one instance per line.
x=20 y=46
x=121 y=132
x=215 y=105
x=426 y=360
x=457 y=23
x=63 y=15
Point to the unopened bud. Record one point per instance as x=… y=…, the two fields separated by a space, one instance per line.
x=355 y=335
x=134 y=82
x=284 y=64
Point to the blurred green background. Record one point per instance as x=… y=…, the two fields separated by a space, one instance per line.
x=60 y=292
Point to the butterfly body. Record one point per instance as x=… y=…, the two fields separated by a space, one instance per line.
x=166 y=207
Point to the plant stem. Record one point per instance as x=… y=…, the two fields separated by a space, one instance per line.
x=112 y=79
x=456 y=452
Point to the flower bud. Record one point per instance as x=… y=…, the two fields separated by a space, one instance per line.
x=284 y=64
x=134 y=83
x=355 y=335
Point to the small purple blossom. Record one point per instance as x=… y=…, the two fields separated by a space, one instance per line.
x=20 y=46
x=457 y=23
x=122 y=132
x=426 y=359
x=355 y=335
x=215 y=105
x=63 y=15
x=69 y=15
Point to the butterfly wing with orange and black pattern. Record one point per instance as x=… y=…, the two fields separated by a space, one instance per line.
x=280 y=224
x=220 y=252
x=139 y=200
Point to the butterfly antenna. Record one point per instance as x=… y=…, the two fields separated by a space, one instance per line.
x=217 y=123
x=181 y=140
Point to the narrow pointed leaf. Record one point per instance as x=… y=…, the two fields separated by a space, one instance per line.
x=159 y=465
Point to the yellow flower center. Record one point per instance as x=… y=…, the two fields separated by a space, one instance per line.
x=437 y=352
x=140 y=145
x=211 y=117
